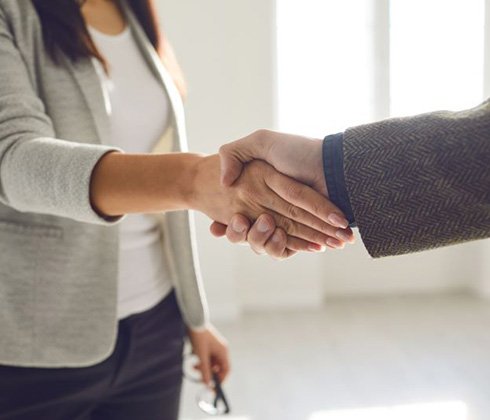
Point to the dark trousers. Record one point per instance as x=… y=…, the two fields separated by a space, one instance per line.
x=141 y=380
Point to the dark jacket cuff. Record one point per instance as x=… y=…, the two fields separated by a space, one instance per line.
x=333 y=165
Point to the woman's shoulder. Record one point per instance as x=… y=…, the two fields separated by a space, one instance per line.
x=16 y=8
x=18 y=12
x=20 y=19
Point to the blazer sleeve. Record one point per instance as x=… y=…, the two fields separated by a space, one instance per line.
x=38 y=172
x=420 y=182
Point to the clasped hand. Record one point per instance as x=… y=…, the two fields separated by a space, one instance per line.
x=286 y=199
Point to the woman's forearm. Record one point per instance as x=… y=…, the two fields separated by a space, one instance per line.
x=130 y=183
x=127 y=183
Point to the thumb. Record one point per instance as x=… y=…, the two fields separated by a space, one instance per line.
x=231 y=165
x=234 y=155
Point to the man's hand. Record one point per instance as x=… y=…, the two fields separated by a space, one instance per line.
x=296 y=156
x=298 y=209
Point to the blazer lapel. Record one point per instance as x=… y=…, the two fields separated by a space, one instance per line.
x=87 y=79
x=159 y=70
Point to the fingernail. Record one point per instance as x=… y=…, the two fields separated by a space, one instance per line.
x=334 y=244
x=343 y=236
x=237 y=226
x=338 y=221
x=276 y=238
x=263 y=226
x=316 y=248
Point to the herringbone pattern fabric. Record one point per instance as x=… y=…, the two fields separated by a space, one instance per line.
x=421 y=182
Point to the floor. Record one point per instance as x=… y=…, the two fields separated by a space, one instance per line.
x=359 y=354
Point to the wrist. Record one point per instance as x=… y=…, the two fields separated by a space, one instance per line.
x=206 y=327
x=200 y=177
x=185 y=173
x=317 y=165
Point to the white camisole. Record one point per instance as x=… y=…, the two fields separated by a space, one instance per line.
x=139 y=113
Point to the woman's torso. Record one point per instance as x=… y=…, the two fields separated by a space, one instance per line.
x=139 y=113
x=59 y=276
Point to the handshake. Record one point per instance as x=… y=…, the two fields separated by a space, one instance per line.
x=413 y=183
x=270 y=191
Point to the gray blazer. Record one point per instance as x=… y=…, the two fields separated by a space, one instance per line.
x=58 y=258
x=420 y=182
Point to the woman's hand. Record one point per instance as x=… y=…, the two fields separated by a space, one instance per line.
x=265 y=238
x=302 y=213
x=212 y=350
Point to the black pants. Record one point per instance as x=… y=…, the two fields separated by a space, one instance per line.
x=141 y=380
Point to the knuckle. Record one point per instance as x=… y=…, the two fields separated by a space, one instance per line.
x=256 y=242
x=235 y=237
x=261 y=134
x=265 y=200
x=223 y=150
x=295 y=192
x=245 y=192
x=287 y=225
x=293 y=212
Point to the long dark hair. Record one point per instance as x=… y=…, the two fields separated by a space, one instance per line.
x=64 y=30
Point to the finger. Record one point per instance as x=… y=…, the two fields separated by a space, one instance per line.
x=237 y=230
x=346 y=235
x=235 y=154
x=299 y=230
x=261 y=232
x=281 y=247
x=277 y=247
x=335 y=243
x=221 y=366
x=205 y=368
x=311 y=202
x=276 y=244
x=284 y=207
x=225 y=364
x=231 y=167
x=218 y=229
x=300 y=245
x=274 y=241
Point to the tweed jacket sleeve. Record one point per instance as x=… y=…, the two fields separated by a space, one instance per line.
x=38 y=172
x=420 y=182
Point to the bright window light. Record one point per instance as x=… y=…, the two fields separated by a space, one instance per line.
x=437 y=55
x=328 y=60
x=323 y=65
x=450 y=410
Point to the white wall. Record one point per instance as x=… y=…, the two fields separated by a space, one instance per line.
x=227 y=51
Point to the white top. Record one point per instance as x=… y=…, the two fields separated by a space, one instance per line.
x=139 y=112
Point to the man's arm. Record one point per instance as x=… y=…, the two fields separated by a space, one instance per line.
x=413 y=183
x=420 y=182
